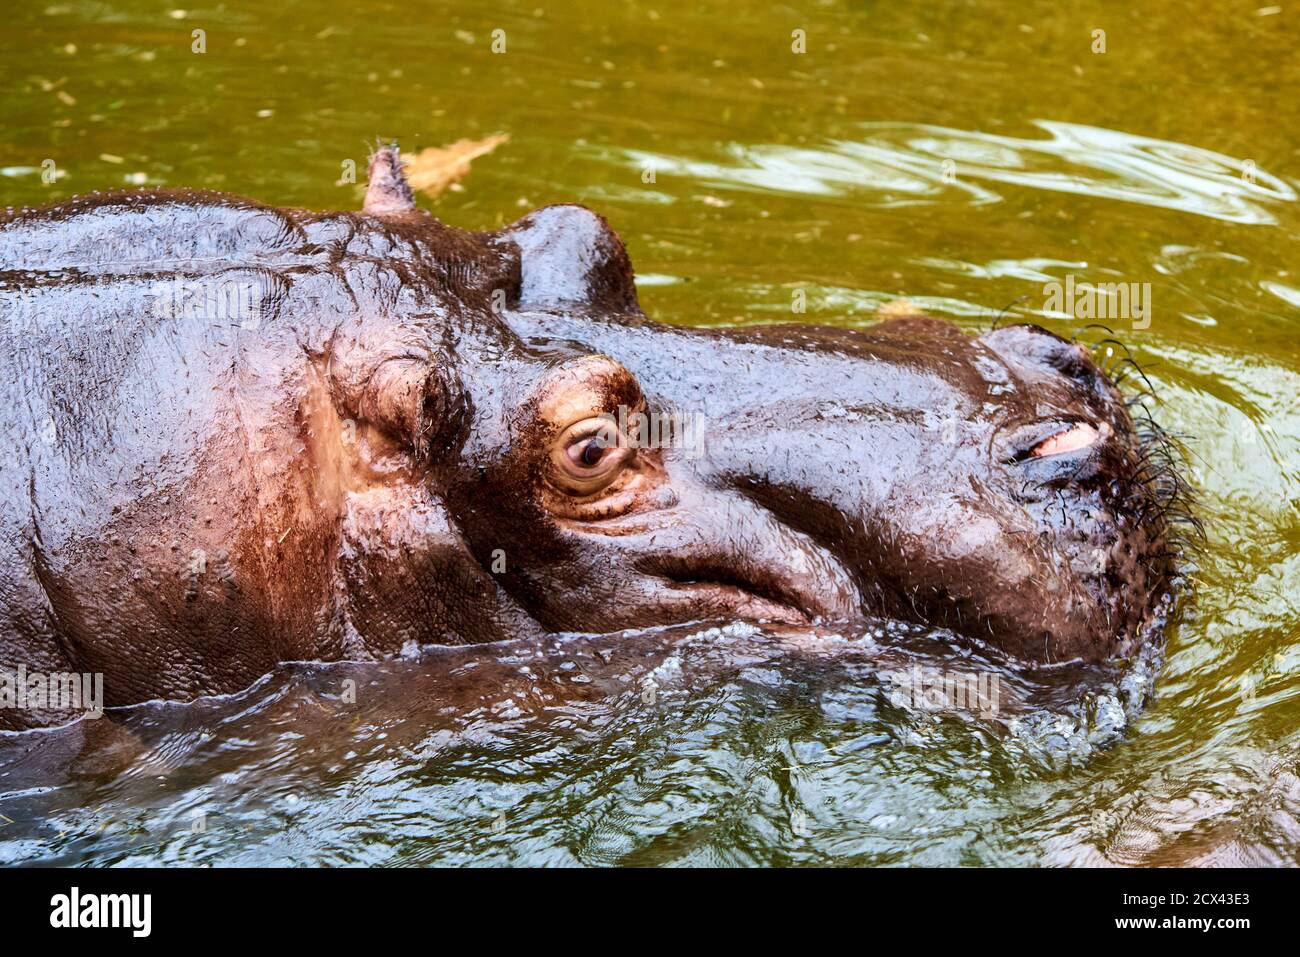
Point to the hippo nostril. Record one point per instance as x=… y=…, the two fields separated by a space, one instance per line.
x=1054 y=439
x=1035 y=346
x=1055 y=456
x=1078 y=436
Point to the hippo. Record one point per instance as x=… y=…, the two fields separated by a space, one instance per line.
x=241 y=436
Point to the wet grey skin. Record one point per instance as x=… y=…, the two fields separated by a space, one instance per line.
x=241 y=435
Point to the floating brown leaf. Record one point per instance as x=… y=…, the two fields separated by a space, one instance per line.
x=897 y=309
x=431 y=171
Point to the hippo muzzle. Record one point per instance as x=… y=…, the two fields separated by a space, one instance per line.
x=995 y=486
x=400 y=432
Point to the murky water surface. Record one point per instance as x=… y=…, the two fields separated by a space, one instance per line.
x=961 y=155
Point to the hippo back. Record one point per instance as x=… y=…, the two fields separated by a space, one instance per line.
x=158 y=349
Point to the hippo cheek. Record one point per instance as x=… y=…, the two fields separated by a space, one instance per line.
x=711 y=554
x=756 y=558
x=406 y=574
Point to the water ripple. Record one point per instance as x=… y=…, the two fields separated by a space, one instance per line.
x=918 y=164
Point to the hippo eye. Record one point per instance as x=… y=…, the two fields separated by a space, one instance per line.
x=589 y=455
x=589 y=452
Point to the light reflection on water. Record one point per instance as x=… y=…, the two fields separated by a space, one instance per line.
x=896 y=165
x=583 y=750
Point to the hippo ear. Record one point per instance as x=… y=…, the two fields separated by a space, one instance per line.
x=387 y=192
x=568 y=254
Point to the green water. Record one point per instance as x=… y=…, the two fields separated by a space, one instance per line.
x=961 y=155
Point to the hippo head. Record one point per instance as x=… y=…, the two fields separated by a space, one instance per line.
x=613 y=473
x=413 y=433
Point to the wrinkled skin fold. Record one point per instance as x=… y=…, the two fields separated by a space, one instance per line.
x=241 y=435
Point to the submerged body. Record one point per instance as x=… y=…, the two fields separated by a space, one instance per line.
x=242 y=435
